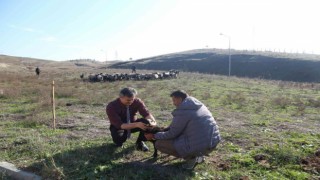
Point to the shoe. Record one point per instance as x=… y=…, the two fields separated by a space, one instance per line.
x=191 y=163
x=141 y=146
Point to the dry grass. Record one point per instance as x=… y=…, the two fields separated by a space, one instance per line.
x=256 y=117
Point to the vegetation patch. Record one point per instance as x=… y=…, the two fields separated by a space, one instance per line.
x=269 y=129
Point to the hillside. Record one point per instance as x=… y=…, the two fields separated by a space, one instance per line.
x=269 y=129
x=265 y=65
x=12 y=64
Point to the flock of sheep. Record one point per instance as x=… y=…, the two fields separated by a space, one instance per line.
x=101 y=77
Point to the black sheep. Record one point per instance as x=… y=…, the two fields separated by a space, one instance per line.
x=153 y=130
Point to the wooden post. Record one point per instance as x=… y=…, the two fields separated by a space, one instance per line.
x=53 y=107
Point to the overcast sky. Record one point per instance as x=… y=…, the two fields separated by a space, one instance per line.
x=123 y=29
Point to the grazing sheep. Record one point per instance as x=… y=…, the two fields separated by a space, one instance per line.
x=132 y=76
x=108 y=77
x=149 y=76
x=92 y=77
x=99 y=77
x=174 y=73
x=166 y=75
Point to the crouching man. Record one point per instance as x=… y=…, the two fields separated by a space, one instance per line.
x=122 y=115
x=192 y=133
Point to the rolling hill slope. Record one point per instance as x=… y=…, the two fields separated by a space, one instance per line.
x=12 y=64
x=265 y=65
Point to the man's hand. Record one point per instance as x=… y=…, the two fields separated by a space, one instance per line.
x=149 y=136
x=152 y=122
x=141 y=125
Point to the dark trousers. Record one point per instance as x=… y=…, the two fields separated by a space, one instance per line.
x=119 y=136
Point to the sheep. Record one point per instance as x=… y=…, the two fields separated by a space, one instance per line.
x=153 y=130
x=134 y=76
x=100 y=77
x=166 y=75
x=149 y=76
x=109 y=77
x=92 y=77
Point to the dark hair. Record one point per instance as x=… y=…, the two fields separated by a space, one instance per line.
x=128 y=92
x=180 y=94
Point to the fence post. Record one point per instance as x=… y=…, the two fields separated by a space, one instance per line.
x=53 y=107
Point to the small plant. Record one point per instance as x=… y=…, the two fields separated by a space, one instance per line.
x=63 y=92
x=51 y=171
x=4 y=175
x=282 y=155
x=314 y=102
x=281 y=102
x=243 y=160
x=236 y=98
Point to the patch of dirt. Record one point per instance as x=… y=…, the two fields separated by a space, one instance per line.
x=3 y=65
x=262 y=160
x=232 y=120
x=15 y=117
x=86 y=126
x=298 y=125
x=260 y=157
x=224 y=166
x=84 y=123
x=219 y=163
x=244 y=178
x=311 y=164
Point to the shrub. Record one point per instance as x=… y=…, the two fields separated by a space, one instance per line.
x=300 y=107
x=314 y=102
x=236 y=98
x=244 y=160
x=64 y=92
x=10 y=93
x=281 y=102
x=282 y=155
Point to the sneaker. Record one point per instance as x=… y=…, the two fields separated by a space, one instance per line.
x=191 y=163
x=141 y=146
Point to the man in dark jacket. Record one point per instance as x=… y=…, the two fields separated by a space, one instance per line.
x=133 y=68
x=192 y=133
x=37 y=71
x=122 y=115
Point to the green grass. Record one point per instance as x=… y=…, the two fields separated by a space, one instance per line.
x=278 y=121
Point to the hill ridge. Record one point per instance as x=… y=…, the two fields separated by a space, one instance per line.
x=270 y=65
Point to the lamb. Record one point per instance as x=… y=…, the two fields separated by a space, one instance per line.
x=153 y=130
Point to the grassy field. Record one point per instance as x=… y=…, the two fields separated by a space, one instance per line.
x=270 y=129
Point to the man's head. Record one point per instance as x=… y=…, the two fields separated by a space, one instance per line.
x=178 y=97
x=127 y=96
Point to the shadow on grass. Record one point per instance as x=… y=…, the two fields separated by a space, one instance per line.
x=108 y=162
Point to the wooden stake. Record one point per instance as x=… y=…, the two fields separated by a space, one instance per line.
x=53 y=107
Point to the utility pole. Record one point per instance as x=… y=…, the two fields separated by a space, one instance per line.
x=229 y=51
